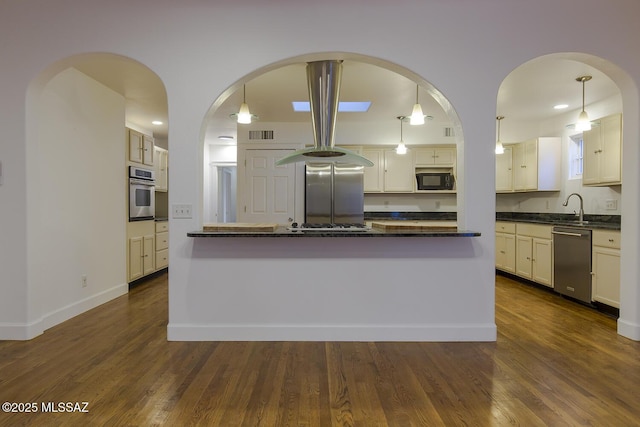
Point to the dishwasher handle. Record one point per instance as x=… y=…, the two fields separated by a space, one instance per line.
x=566 y=233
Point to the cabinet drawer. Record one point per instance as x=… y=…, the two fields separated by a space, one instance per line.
x=162 y=241
x=505 y=227
x=162 y=226
x=606 y=238
x=534 y=230
x=162 y=259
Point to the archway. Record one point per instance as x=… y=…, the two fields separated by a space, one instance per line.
x=608 y=93
x=270 y=91
x=77 y=110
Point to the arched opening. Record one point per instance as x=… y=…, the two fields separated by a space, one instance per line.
x=270 y=93
x=531 y=100
x=78 y=110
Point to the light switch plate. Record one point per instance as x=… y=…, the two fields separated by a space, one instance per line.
x=182 y=211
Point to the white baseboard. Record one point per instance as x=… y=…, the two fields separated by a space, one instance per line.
x=415 y=333
x=27 y=331
x=20 y=331
x=629 y=329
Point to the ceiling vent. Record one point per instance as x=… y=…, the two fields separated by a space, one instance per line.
x=260 y=135
x=448 y=132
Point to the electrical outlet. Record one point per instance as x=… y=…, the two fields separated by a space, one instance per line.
x=84 y=280
x=611 y=204
x=182 y=211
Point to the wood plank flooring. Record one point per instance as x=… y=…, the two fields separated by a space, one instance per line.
x=555 y=363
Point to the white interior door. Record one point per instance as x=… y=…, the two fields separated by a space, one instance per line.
x=269 y=195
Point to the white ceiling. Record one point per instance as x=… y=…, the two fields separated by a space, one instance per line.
x=528 y=93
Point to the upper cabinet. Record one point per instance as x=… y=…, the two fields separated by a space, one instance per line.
x=374 y=175
x=440 y=156
x=504 y=170
x=396 y=173
x=161 y=166
x=534 y=166
x=140 y=147
x=602 y=152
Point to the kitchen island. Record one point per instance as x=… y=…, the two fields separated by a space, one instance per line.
x=376 y=285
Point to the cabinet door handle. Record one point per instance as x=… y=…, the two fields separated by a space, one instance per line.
x=611 y=240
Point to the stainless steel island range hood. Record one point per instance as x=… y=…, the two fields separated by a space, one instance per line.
x=323 y=78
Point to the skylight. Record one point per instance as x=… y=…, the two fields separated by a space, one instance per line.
x=343 y=106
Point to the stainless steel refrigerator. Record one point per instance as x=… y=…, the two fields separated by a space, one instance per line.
x=334 y=194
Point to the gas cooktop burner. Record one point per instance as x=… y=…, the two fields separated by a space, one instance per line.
x=306 y=226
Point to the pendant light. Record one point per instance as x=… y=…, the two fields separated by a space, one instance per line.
x=417 y=118
x=583 y=122
x=244 y=116
x=499 y=146
x=401 y=148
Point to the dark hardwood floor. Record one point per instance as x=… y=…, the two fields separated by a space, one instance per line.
x=555 y=363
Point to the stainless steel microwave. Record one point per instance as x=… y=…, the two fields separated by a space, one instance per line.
x=435 y=181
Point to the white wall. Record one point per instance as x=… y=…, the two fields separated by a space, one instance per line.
x=77 y=198
x=465 y=49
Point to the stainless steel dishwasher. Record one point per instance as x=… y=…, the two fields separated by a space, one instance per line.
x=572 y=262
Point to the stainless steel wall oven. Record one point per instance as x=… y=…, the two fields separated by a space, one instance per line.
x=142 y=194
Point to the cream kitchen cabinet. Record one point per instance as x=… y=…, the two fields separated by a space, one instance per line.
x=162 y=245
x=391 y=172
x=536 y=164
x=506 y=247
x=141 y=147
x=374 y=175
x=141 y=249
x=534 y=253
x=161 y=166
x=605 y=266
x=437 y=156
x=602 y=151
x=395 y=173
x=399 y=175
x=504 y=171
x=141 y=257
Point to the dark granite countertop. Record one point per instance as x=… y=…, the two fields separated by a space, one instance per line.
x=284 y=232
x=419 y=216
x=605 y=222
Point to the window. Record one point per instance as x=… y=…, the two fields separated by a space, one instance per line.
x=575 y=157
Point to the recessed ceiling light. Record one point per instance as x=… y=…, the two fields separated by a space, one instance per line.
x=343 y=106
x=156 y=122
x=560 y=106
x=226 y=137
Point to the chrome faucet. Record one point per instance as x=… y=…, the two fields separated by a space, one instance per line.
x=581 y=214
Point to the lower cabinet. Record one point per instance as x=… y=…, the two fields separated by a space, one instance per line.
x=605 y=267
x=141 y=257
x=162 y=245
x=141 y=249
x=525 y=250
x=542 y=261
x=506 y=247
